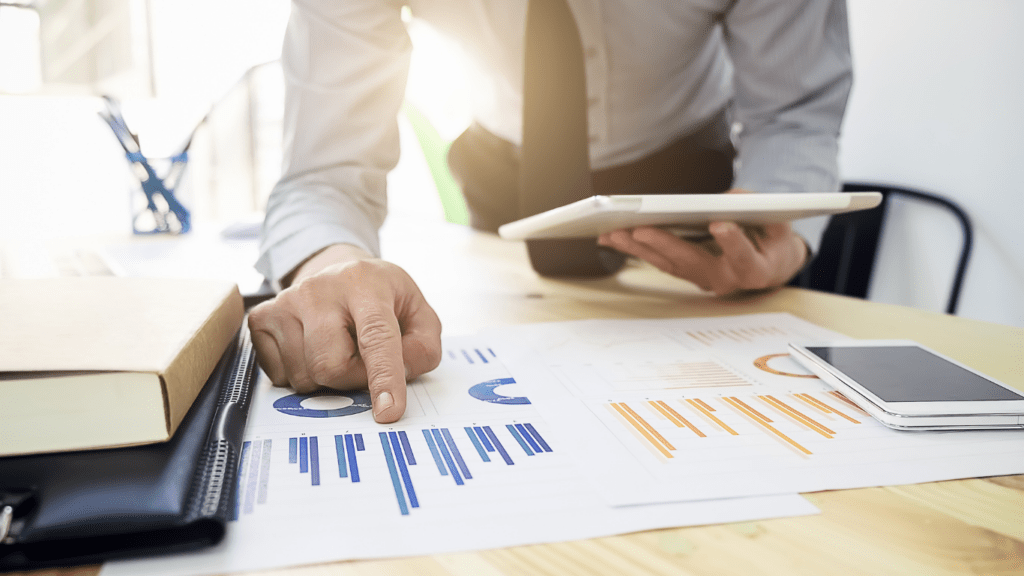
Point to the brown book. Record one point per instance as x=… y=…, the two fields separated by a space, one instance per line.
x=100 y=362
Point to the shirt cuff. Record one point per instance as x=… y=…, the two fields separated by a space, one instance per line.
x=278 y=260
x=306 y=217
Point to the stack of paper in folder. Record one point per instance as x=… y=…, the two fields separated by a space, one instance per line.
x=106 y=362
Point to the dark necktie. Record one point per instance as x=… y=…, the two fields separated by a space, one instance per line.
x=555 y=165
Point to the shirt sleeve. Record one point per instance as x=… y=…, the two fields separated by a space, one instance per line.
x=345 y=67
x=793 y=74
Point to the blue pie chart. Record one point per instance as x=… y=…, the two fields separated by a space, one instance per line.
x=292 y=404
x=485 y=391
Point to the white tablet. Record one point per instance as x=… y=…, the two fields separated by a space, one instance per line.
x=907 y=386
x=686 y=214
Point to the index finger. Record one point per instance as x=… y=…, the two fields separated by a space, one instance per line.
x=380 y=345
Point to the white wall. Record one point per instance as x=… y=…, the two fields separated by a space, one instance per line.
x=938 y=104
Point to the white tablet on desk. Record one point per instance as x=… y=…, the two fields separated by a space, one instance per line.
x=909 y=387
x=686 y=214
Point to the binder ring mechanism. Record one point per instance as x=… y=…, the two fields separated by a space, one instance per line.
x=6 y=518
x=12 y=505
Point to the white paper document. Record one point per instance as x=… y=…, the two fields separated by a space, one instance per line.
x=684 y=409
x=472 y=465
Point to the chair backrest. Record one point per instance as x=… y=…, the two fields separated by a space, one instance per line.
x=846 y=258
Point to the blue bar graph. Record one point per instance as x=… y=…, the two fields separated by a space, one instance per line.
x=435 y=453
x=243 y=467
x=252 y=477
x=314 y=460
x=261 y=497
x=522 y=443
x=395 y=482
x=345 y=446
x=406 y=447
x=339 y=449
x=529 y=439
x=455 y=452
x=350 y=448
x=403 y=469
x=439 y=440
x=536 y=435
x=498 y=446
x=399 y=451
x=483 y=438
x=476 y=444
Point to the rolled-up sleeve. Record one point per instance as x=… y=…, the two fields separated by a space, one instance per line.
x=793 y=74
x=345 y=69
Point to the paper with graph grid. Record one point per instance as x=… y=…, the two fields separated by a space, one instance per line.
x=687 y=409
x=471 y=465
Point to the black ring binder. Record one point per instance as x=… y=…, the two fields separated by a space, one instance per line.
x=87 y=507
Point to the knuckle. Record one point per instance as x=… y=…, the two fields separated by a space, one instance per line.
x=380 y=372
x=285 y=302
x=433 y=356
x=374 y=335
x=272 y=370
x=302 y=383
x=257 y=316
x=374 y=332
x=304 y=295
x=326 y=368
x=362 y=271
x=261 y=317
x=423 y=357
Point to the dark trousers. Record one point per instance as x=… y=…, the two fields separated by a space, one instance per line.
x=487 y=169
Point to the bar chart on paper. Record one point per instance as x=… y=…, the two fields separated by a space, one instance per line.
x=399 y=460
x=758 y=415
x=471 y=465
x=664 y=410
x=466 y=432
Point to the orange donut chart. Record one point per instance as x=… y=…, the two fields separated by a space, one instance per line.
x=762 y=363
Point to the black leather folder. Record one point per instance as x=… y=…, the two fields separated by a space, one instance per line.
x=86 y=507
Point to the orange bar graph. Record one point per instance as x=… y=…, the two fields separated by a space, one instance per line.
x=704 y=404
x=815 y=403
x=739 y=405
x=706 y=410
x=675 y=417
x=745 y=405
x=645 y=429
x=799 y=416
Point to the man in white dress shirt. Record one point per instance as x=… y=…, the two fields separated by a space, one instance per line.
x=770 y=77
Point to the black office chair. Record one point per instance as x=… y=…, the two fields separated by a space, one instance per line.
x=846 y=257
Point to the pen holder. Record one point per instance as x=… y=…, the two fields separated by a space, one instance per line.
x=155 y=198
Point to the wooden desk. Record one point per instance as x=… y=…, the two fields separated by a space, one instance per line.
x=958 y=527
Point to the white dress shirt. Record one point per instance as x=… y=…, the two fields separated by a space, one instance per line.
x=655 y=70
